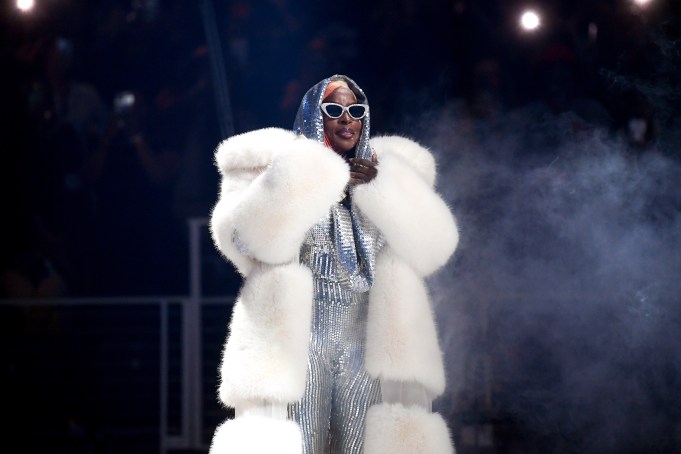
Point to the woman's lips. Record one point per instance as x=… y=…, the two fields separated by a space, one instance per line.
x=345 y=133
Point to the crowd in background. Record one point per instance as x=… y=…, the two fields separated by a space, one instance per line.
x=109 y=113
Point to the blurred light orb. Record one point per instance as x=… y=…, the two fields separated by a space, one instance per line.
x=642 y=2
x=25 y=5
x=530 y=20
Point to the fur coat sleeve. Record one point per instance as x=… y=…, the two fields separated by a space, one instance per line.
x=421 y=235
x=275 y=186
x=402 y=345
x=401 y=201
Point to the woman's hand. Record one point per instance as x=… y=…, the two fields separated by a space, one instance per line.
x=363 y=170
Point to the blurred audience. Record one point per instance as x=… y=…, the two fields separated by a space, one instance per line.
x=64 y=121
x=37 y=264
x=134 y=170
x=113 y=182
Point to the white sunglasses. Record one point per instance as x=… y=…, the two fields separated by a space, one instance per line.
x=335 y=110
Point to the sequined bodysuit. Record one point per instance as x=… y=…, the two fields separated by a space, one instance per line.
x=340 y=251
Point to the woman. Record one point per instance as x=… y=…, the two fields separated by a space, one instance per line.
x=332 y=346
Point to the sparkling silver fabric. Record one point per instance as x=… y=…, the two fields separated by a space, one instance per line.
x=310 y=123
x=340 y=250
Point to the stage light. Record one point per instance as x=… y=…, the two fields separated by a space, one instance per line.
x=530 y=20
x=25 y=5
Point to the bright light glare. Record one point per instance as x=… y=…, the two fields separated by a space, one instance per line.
x=642 y=2
x=530 y=20
x=25 y=5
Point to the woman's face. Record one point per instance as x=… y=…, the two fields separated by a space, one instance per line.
x=343 y=132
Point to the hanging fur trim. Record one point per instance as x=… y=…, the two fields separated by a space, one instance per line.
x=265 y=355
x=257 y=435
x=395 y=429
x=402 y=342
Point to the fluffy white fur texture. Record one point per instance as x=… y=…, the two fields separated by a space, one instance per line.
x=402 y=342
x=395 y=429
x=240 y=159
x=276 y=210
x=257 y=435
x=265 y=356
x=413 y=218
x=418 y=157
x=222 y=220
x=252 y=150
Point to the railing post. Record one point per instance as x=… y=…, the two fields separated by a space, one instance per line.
x=163 y=379
x=191 y=358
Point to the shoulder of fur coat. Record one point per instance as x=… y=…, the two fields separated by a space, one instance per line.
x=239 y=160
x=417 y=157
x=275 y=186
x=403 y=204
x=251 y=150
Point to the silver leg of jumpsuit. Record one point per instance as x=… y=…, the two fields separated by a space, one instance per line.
x=332 y=412
x=340 y=250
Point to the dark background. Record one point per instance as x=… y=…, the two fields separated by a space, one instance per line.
x=558 y=150
x=73 y=181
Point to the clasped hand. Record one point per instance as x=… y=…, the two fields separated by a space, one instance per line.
x=362 y=170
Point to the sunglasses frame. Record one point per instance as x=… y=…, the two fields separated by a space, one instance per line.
x=345 y=109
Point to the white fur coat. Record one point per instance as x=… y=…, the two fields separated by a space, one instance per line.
x=275 y=187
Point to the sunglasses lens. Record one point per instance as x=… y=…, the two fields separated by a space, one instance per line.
x=357 y=111
x=334 y=110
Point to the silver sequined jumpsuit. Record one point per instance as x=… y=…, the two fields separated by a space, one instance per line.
x=340 y=251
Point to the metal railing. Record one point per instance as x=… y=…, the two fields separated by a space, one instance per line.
x=179 y=325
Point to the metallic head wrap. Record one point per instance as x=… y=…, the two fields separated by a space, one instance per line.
x=310 y=123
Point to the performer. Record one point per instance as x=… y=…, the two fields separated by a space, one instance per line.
x=332 y=346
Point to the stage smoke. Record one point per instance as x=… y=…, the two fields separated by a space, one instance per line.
x=560 y=311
